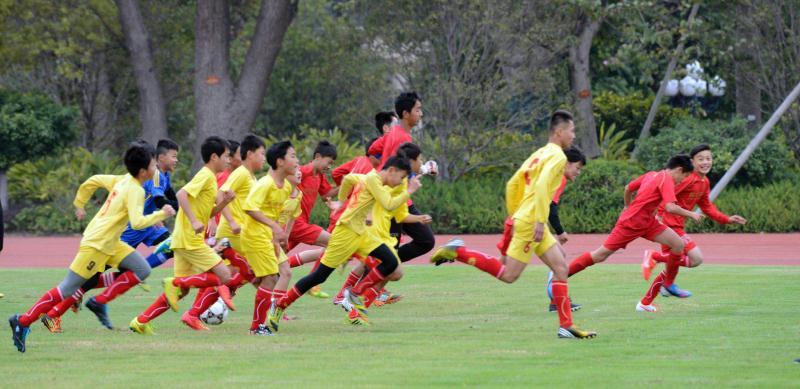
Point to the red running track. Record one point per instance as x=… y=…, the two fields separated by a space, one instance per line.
x=738 y=249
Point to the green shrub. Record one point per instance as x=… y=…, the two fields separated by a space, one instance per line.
x=771 y=161
x=629 y=112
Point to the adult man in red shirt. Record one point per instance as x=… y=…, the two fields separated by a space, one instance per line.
x=638 y=219
x=692 y=192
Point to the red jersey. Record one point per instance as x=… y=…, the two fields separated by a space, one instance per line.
x=560 y=190
x=388 y=144
x=358 y=165
x=652 y=189
x=311 y=184
x=691 y=192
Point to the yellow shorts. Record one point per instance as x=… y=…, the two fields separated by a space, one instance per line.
x=263 y=257
x=90 y=260
x=523 y=247
x=189 y=262
x=344 y=244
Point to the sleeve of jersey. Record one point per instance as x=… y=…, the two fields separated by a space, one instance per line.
x=555 y=221
x=255 y=197
x=196 y=185
x=88 y=187
x=136 y=209
x=514 y=191
x=324 y=186
x=232 y=182
x=382 y=196
x=550 y=176
x=377 y=146
x=711 y=210
x=156 y=188
x=341 y=171
x=347 y=186
x=636 y=184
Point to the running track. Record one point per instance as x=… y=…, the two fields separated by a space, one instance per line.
x=738 y=249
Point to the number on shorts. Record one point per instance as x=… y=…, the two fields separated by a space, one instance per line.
x=90 y=266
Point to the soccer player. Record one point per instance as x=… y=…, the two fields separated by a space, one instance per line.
x=638 y=219
x=528 y=195
x=313 y=183
x=263 y=236
x=384 y=121
x=236 y=161
x=101 y=245
x=240 y=181
x=158 y=192
x=691 y=192
x=408 y=107
x=351 y=238
x=196 y=264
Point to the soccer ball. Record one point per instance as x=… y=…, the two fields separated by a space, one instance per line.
x=215 y=314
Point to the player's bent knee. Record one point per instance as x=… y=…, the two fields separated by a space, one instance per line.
x=396 y=275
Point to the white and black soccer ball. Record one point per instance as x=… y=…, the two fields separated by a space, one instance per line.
x=215 y=314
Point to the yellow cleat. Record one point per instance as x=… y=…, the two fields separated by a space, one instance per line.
x=172 y=293
x=447 y=253
x=318 y=293
x=53 y=324
x=574 y=332
x=141 y=328
x=274 y=316
x=356 y=318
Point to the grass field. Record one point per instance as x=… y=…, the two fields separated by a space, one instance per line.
x=455 y=327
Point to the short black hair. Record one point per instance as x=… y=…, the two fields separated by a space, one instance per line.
x=138 y=157
x=213 y=145
x=250 y=143
x=368 y=145
x=276 y=152
x=232 y=146
x=405 y=102
x=409 y=150
x=558 y=118
x=575 y=154
x=398 y=163
x=165 y=145
x=384 y=118
x=682 y=161
x=325 y=149
x=699 y=149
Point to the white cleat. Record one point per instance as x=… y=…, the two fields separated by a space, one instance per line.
x=646 y=308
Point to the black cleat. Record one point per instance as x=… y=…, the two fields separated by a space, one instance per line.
x=101 y=312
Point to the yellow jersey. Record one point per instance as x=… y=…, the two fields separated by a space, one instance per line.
x=365 y=191
x=531 y=189
x=267 y=198
x=125 y=202
x=382 y=218
x=291 y=208
x=88 y=187
x=202 y=191
x=240 y=181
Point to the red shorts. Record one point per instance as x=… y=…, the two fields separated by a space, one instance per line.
x=687 y=242
x=303 y=232
x=629 y=230
x=508 y=231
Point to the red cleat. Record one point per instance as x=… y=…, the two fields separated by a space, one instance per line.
x=225 y=295
x=193 y=322
x=648 y=264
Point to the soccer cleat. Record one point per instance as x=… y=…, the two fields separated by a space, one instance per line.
x=354 y=301
x=318 y=293
x=141 y=328
x=52 y=324
x=225 y=295
x=338 y=301
x=447 y=253
x=262 y=330
x=575 y=333
x=648 y=264
x=171 y=292
x=101 y=311
x=274 y=316
x=387 y=297
x=193 y=322
x=18 y=333
x=355 y=318
x=549 y=286
x=674 y=290
x=164 y=247
x=77 y=306
x=222 y=245
x=646 y=308
x=572 y=307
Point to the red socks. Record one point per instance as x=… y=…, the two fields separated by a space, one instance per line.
x=581 y=262
x=49 y=300
x=294 y=260
x=367 y=282
x=351 y=280
x=202 y=280
x=480 y=260
x=155 y=310
x=263 y=300
x=561 y=300
x=237 y=260
x=205 y=298
x=290 y=297
x=652 y=293
x=673 y=264
x=121 y=285
x=369 y=296
x=61 y=308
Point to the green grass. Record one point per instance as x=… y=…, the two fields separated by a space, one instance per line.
x=455 y=327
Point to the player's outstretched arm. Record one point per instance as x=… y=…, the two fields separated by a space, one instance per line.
x=677 y=210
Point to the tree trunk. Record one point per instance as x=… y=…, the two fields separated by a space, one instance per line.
x=152 y=109
x=222 y=108
x=585 y=128
x=4 y=189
